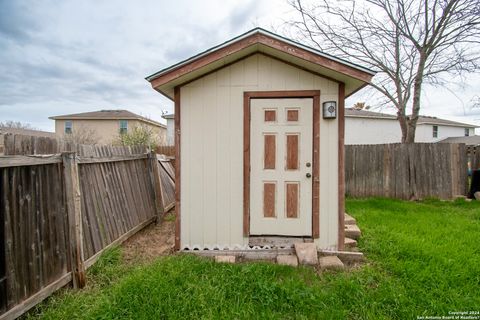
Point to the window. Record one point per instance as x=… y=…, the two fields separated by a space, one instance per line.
x=68 y=126
x=467 y=132
x=123 y=126
x=435 y=131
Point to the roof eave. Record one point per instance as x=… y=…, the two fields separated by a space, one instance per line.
x=159 y=79
x=247 y=34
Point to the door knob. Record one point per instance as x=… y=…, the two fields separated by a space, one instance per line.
x=308 y=175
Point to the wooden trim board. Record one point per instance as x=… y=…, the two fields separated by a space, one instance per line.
x=341 y=166
x=251 y=40
x=291 y=94
x=178 y=163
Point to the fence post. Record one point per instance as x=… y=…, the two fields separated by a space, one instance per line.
x=156 y=183
x=75 y=229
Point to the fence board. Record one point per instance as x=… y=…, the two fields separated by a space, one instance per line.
x=167 y=181
x=407 y=171
x=117 y=196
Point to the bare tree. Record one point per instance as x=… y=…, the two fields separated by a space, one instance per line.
x=408 y=42
x=475 y=102
x=82 y=135
x=17 y=125
x=361 y=106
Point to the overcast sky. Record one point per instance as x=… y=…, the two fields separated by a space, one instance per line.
x=61 y=57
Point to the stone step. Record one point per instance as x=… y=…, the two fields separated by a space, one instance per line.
x=287 y=260
x=350 y=243
x=352 y=231
x=349 y=219
x=225 y=259
x=306 y=253
x=330 y=263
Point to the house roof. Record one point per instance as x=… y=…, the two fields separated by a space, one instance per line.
x=107 y=115
x=262 y=41
x=354 y=113
x=469 y=141
x=350 y=112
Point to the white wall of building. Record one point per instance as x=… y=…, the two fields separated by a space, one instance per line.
x=371 y=131
x=424 y=132
x=378 y=131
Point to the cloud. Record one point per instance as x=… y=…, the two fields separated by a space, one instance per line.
x=60 y=57
x=15 y=21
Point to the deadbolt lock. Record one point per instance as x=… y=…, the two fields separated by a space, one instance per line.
x=308 y=164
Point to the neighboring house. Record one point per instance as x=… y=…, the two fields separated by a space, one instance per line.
x=170 y=128
x=367 y=127
x=27 y=132
x=105 y=125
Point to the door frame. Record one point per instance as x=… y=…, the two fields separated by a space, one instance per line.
x=312 y=94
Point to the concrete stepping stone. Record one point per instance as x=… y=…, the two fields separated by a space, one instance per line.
x=352 y=231
x=225 y=259
x=306 y=253
x=330 y=263
x=350 y=243
x=287 y=260
x=349 y=219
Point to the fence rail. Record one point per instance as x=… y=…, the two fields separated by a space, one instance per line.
x=61 y=212
x=406 y=171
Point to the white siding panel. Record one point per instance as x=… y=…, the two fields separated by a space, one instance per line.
x=371 y=131
x=222 y=119
x=328 y=178
x=212 y=151
x=235 y=155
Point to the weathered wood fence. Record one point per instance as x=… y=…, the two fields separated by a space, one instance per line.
x=473 y=155
x=406 y=171
x=18 y=144
x=60 y=212
x=166 y=150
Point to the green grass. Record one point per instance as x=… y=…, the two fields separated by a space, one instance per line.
x=423 y=259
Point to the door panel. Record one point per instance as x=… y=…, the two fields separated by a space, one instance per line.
x=281 y=146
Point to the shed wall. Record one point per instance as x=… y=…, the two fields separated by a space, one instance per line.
x=212 y=151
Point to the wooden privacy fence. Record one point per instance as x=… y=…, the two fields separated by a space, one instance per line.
x=60 y=212
x=18 y=144
x=406 y=171
x=473 y=154
x=166 y=150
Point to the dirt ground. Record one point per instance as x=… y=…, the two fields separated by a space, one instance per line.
x=153 y=241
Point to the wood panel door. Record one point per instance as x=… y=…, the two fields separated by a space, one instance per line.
x=281 y=133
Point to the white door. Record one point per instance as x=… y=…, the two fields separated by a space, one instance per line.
x=281 y=167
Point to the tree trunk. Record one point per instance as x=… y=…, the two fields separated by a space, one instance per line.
x=402 y=119
x=417 y=91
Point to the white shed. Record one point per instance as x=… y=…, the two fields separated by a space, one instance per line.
x=259 y=137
